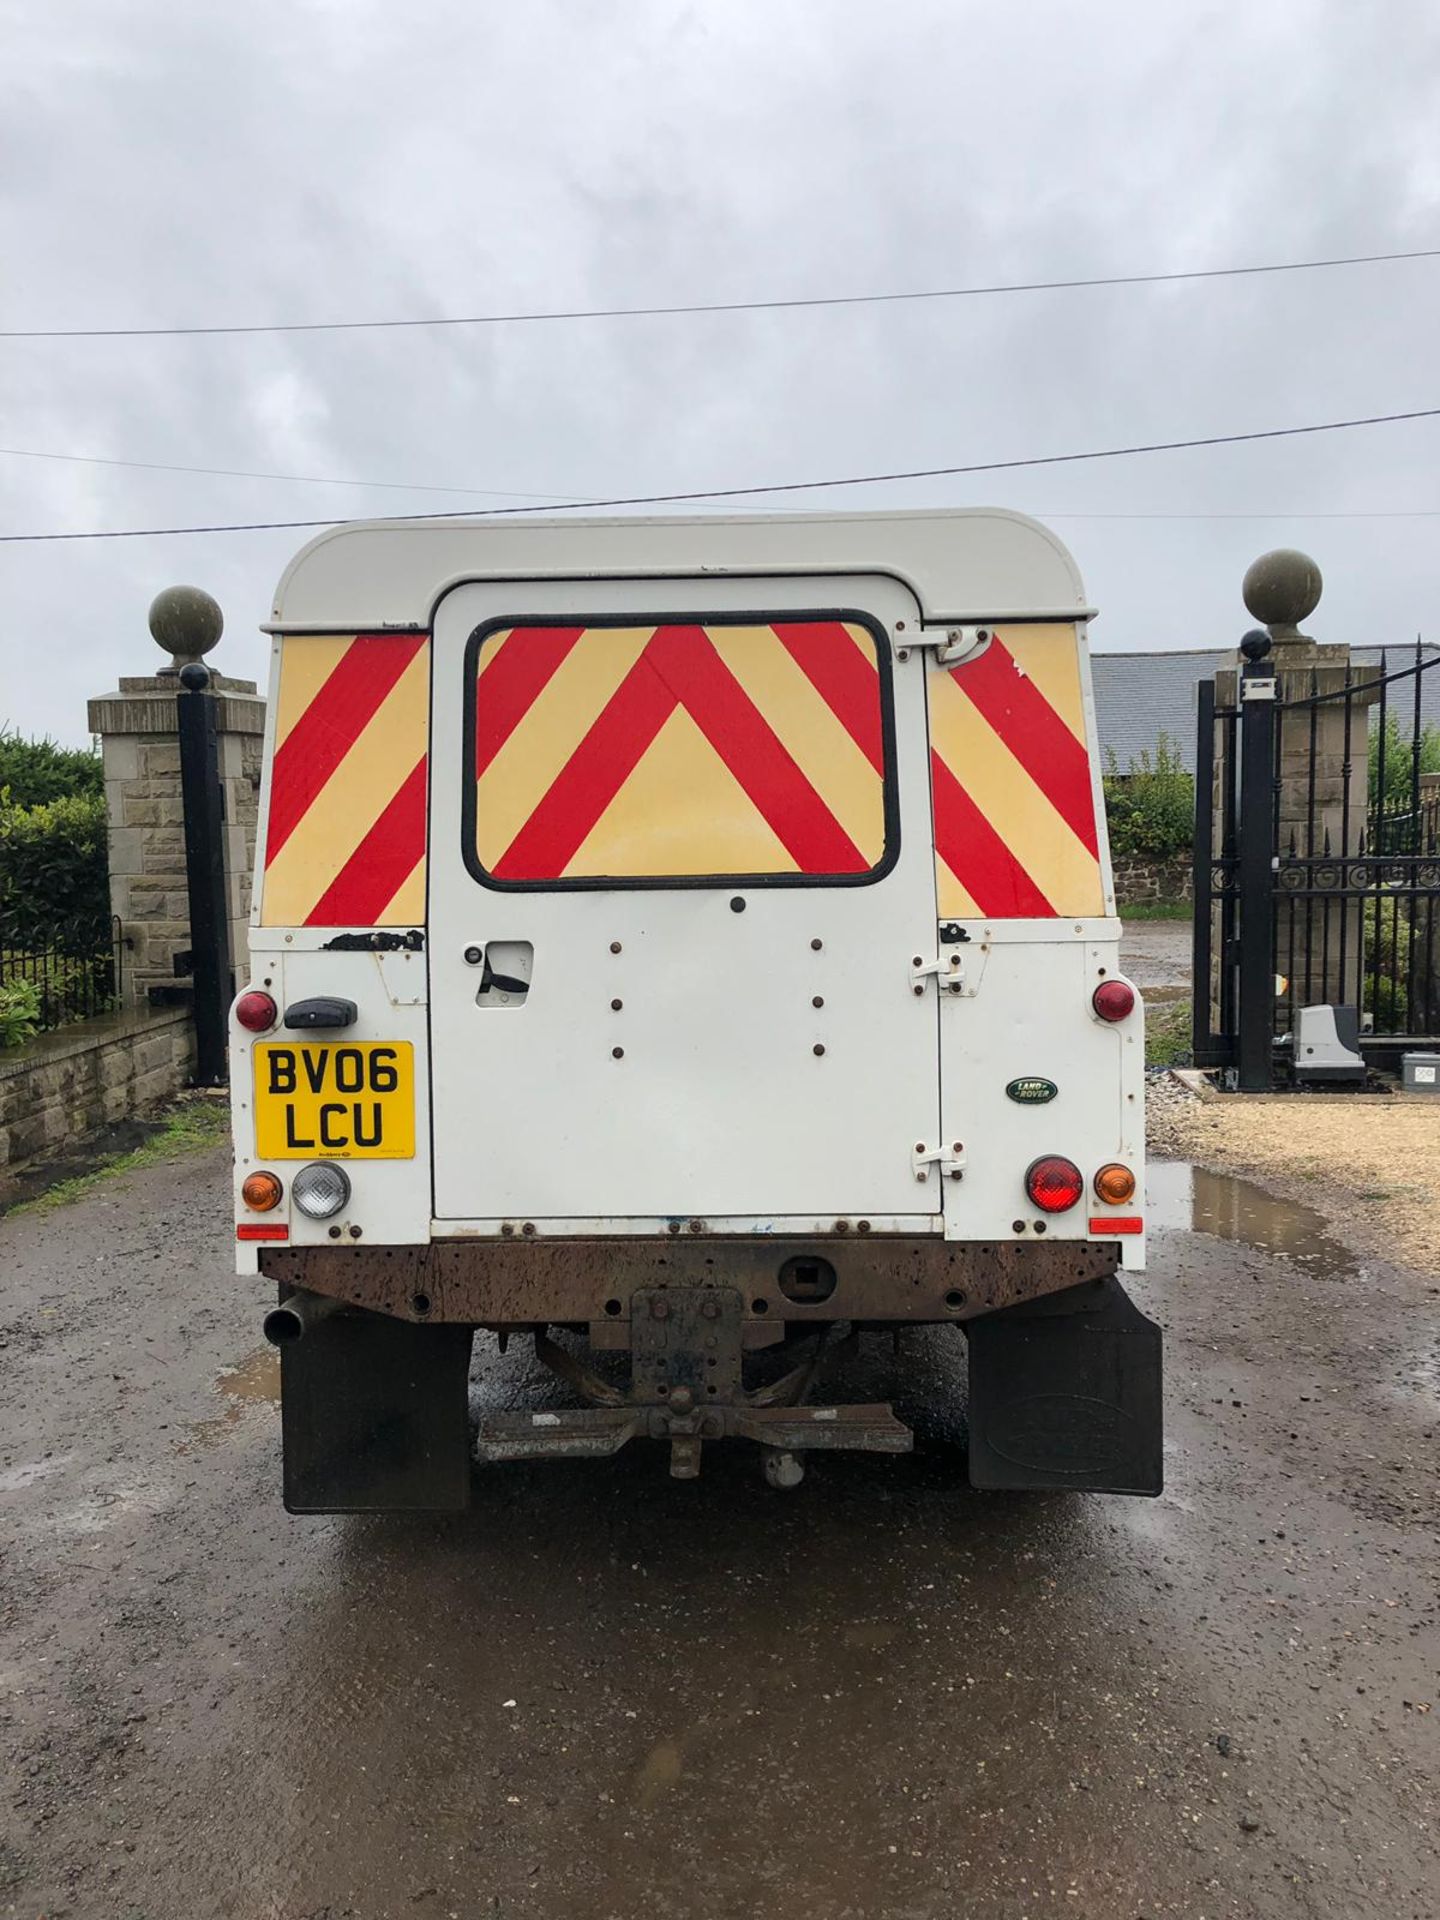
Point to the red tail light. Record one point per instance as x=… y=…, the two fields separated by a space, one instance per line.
x=1054 y=1184
x=1113 y=1000
x=256 y=1011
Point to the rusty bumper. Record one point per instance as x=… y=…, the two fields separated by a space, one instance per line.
x=590 y=1283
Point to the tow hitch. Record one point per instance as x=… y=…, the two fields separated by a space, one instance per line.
x=687 y=1387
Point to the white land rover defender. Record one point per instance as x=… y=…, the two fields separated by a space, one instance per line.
x=693 y=939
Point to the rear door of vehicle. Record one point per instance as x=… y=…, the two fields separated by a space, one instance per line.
x=1027 y=1069
x=672 y=910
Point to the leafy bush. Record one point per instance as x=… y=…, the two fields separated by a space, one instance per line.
x=1385 y=956
x=1151 y=805
x=35 y=772
x=19 y=1012
x=1399 y=781
x=54 y=876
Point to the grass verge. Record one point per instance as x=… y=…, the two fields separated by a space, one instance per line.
x=1167 y=1034
x=193 y=1123
x=1158 y=910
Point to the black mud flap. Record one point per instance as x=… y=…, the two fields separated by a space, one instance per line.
x=1065 y=1392
x=374 y=1416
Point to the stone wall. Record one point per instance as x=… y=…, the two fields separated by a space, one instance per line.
x=68 y=1083
x=1138 y=880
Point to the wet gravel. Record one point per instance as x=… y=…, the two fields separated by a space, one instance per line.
x=604 y=1694
x=1376 y=1156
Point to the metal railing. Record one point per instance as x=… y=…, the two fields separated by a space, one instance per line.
x=1335 y=817
x=67 y=986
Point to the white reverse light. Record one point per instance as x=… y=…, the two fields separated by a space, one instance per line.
x=321 y=1189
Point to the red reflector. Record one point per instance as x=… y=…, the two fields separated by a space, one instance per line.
x=1104 y=1225
x=1113 y=999
x=256 y=1230
x=256 y=1011
x=1053 y=1183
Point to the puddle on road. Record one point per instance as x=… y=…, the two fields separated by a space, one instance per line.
x=253 y=1382
x=1183 y=1198
x=257 y=1378
x=659 y=1772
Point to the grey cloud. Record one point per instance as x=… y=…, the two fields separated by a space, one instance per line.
x=313 y=161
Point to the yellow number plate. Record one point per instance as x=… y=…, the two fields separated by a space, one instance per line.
x=326 y=1101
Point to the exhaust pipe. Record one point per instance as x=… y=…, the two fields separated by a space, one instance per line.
x=295 y=1317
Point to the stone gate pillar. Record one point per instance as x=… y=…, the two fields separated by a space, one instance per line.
x=141 y=757
x=1322 y=784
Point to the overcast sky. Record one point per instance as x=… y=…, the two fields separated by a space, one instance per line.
x=280 y=160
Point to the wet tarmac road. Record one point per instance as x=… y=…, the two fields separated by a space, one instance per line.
x=603 y=1693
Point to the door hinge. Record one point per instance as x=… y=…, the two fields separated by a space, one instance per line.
x=948 y=644
x=950 y=1159
x=948 y=971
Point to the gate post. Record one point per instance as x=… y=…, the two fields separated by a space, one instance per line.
x=138 y=724
x=197 y=722
x=189 y=622
x=1256 y=1011
x=1322 y=726
x=1202 y=929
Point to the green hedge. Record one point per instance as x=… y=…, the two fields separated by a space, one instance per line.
x=35 y=772
x=1150 y=806
x=54 y=877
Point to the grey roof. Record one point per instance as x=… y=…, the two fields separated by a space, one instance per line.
x=1140 y=696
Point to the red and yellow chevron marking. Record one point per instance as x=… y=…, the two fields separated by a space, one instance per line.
x=1015 y=832
x=345 y=846
x=643 y=752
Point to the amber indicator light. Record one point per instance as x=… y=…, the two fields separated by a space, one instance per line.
x=262 y=1192
x=1114 y=1185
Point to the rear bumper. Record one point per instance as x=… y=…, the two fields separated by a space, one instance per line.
x=589 y=1283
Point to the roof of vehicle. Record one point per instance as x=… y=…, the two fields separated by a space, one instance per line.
x=982 y=563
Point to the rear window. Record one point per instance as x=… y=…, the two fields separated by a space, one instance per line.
x=640 y=753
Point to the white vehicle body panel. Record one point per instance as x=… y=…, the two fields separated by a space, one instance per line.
x=1006 y=1032
x=717 y=1088
x=719 y=1110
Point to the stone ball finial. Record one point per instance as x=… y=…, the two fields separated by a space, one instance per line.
x=1282 y=589
x=186 y=622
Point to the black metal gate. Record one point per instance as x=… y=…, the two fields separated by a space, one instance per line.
x=1316 y=858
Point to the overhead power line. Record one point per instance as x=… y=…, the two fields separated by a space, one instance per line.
x=574 y=499
x=721 y=306
x=679 y=498
x=1264 y=513
x=299 y=479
